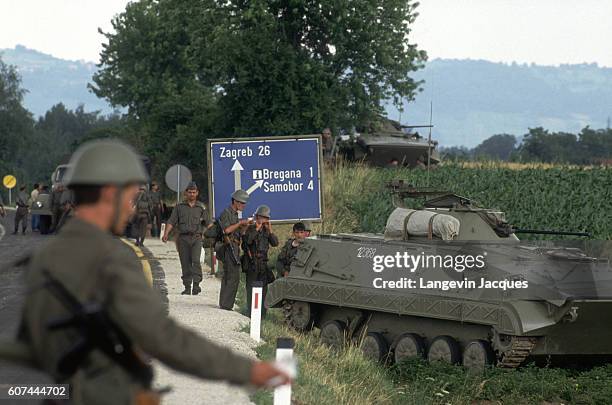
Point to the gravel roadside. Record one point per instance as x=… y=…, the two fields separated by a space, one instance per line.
x=200 y=313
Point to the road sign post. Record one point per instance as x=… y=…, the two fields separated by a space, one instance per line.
x=283 y=173
x=9 y=182
x=177 y=178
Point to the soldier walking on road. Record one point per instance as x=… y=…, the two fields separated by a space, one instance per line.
x=289 y=250
x=143 y=213
x=87 y=269
x=22 y=211
x=256 y=243
x=156 y=209
x=233 y=229
x=189 y=217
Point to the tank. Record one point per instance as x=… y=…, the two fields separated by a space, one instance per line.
x=390 y=144
x=446 y=315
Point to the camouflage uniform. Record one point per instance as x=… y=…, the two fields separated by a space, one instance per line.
x=22 y=211
x=285 y=257
x=143 y=213
x=231 y=266
x=189 y=222
x=256 y=246
x=156 y=212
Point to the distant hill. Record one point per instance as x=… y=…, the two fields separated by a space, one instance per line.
x=472 y=99
x=50 y=80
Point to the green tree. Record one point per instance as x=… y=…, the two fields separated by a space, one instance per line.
x=191 y=70
x=498 y=147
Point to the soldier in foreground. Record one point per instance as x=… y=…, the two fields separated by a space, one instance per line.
x=21 y=215
x=256 y=243
x=189 y=217
x=233 y=229
x=87 y=262
x=289 y=250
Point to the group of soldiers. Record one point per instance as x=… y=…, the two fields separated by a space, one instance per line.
x=60 y=207
x=148 y=208
x=253 y=236
x=91 y=319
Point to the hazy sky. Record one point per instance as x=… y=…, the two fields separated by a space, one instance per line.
x=540 y=31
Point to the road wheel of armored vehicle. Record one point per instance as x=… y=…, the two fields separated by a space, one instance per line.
x=408 y=346
x=332 y=334
x=375 y=347
x=299 y=315
x=444 y=348
x=477 y=355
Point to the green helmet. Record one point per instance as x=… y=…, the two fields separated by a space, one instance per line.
x=240 y=195
x=263 y=211
x=102 y=162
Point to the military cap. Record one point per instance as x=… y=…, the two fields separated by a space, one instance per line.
x=298 y=226
x=307 y=226
x=241 y=196
x=192 y=185
x=263 y=211
x=101 y=162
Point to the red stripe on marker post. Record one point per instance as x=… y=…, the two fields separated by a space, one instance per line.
x=256 y=311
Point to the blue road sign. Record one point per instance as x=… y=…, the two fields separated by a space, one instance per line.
x=282 y=173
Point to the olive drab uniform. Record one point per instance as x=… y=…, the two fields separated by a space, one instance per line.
x=97 y=267
x=56 y=207
x=285 y=257
x=256 y=245
x=189 y=222
x=21 y=215
x=143 y=214
x=156 y=212
x=231 y=261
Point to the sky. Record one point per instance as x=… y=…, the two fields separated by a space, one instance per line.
x=545 y=32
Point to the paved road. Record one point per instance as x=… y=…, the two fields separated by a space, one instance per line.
x=12 y=292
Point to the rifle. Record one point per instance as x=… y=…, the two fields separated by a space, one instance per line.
x=97 y=331
x=228 y=243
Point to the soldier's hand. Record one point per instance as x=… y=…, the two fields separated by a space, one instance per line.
x=165 y=238
x=244 y=222
x=264 y=374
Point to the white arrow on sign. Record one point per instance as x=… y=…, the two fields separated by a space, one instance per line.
x=237 y=168
x=255 y=186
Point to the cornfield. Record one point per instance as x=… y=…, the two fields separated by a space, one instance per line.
x=548 y=197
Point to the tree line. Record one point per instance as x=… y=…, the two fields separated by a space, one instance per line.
x=588 y=147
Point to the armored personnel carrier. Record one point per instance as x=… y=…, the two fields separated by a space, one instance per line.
x=484 y=298
x=389 y=144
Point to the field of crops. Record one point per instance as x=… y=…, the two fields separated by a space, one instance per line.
x=535 y=197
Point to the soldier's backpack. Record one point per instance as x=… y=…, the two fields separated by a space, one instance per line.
x=213 y=234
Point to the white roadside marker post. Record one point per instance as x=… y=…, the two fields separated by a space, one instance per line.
x=162 y=230
x=285 y=362
x=256 y=304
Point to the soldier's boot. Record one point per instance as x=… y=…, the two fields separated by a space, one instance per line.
x=187 y=290
x=195 y=290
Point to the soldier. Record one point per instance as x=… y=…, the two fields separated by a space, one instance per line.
x=156 y=209
x=88 y=262
x=22 y=211
x=143 y=213
x=256 y=242
x=289 y=250
x=229 y=254
x=189 y=217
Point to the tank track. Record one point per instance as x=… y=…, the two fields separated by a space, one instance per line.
x=520 y=348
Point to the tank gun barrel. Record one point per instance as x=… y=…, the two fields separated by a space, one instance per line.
x=545 y=232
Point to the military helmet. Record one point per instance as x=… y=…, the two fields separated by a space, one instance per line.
x=307 y=226
x=241 y=196
x=192 y=185
x=263 y=211
x=102 y=162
